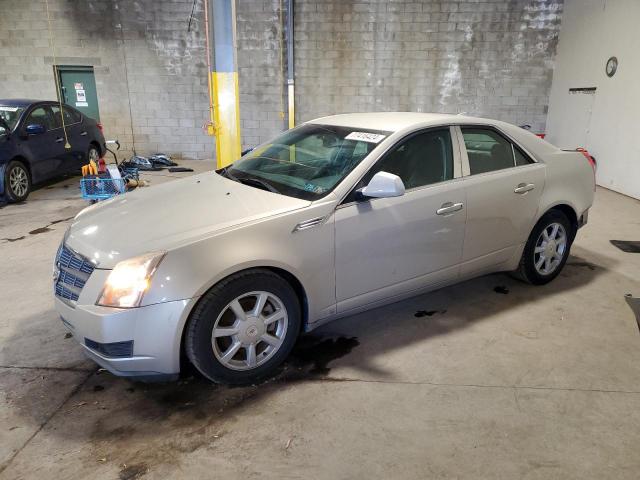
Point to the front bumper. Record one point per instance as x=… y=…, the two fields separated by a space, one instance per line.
x=155 y=332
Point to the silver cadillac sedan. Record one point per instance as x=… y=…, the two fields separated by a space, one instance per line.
x=339 y=215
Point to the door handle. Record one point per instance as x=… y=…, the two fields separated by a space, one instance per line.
x=449 y=207
x=524 y=188
x=83 y=134
x=59 y=140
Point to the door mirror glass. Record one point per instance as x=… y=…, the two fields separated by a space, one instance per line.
x=35 y=129
x=383 y=185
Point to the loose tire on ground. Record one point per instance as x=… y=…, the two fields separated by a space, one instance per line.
x=265 y=336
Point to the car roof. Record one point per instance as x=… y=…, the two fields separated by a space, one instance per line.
x=20 y=102
x=394 y=121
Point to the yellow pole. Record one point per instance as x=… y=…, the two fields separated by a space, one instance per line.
x=224 y=81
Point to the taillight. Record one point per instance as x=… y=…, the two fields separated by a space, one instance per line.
x=99 y=125
x=541 y=135
x=590 y=158
x=592 y=161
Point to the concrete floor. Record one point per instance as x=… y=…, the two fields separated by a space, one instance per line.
x=536 y=383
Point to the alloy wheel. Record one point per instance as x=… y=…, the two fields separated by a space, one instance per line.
x=93 y=154
x=18 y=181
x=249 y=330
x=550 y=249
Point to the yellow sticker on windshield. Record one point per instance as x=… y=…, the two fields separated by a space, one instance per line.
x=365 y=137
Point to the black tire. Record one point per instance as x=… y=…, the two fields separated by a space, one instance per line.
x=527 y=270
x=198 y=335
x=14 y=192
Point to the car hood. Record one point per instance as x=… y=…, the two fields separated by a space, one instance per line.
x=170 y=215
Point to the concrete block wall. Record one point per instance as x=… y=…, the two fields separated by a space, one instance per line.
x=261 y=69
x=142 y=56
x=491 y=58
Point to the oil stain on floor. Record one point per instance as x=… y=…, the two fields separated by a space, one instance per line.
x=627 y=246
x=171 y=419
x=428 y=313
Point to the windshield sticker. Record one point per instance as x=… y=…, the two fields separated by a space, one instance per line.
x=365 y=137
x=310 y=187
x=8 y=109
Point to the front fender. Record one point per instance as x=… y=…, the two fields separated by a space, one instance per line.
x=308 y=255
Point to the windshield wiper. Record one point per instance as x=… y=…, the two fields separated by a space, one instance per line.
x=225 y=173
x=251 y=181
x=254 y=182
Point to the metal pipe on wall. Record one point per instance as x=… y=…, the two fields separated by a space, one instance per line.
x=290 y=66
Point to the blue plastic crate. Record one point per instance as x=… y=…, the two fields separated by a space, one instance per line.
x=101 y=188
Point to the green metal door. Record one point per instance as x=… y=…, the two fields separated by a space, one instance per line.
x=78 y=88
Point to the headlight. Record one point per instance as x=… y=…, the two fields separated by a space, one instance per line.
x=129 y=280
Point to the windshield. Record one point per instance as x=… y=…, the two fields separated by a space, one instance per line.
x=10 y=115
x=306 y=162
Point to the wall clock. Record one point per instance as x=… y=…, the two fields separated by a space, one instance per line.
x=612 y=66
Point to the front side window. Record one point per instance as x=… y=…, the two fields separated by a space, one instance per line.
x=422 y=159
x=306 y=162
x=10 y=116
x=489 y=151
x=40 y=116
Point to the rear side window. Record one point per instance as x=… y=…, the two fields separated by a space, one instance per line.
x=71 y=116
x=489 y=151
x=521 y=158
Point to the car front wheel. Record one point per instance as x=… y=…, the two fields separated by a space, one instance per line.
x=547 y=249
x=17 y=182
x=243 y=328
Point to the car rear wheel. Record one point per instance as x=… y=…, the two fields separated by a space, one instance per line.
x=547 y=249
x=243 y=328
x=17 y=182
x=93 y=154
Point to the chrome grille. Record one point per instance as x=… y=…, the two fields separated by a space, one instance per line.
x=72 y=272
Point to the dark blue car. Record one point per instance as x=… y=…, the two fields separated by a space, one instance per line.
x=33 y=147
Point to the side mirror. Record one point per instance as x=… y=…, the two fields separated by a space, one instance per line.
x=383 y=185
x=35 y=129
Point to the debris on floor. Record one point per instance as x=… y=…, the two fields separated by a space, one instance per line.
x=131 y=472
x=627 y=246
x=501 y=289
